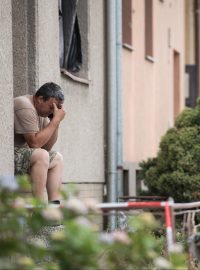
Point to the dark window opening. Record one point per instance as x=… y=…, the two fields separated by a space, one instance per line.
x=125 y=182
x=70 y=38
x=149 y=28
x=176 y=66
x=127 y=22
x=191 y=98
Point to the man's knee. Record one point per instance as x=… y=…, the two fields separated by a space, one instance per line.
x=40 y=156
x=57 y=160
x=59 y=157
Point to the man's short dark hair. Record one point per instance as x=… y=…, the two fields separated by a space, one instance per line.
x=49 y=90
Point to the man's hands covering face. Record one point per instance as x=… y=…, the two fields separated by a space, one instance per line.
x=58 y=113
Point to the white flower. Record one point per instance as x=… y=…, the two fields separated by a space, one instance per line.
x=162 y=263
x=25 y=261
x=106 y=238
x=58 y=235
x=176 y=248
x=38 y=243
x=76 y=205
x=84 y=222
x=92 y=205
x=19 y=203
x=52 y=214
x=120 y=236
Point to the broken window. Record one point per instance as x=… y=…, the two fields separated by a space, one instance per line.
x=70 y=38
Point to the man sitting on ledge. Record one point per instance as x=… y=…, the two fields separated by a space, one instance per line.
x=36 y=122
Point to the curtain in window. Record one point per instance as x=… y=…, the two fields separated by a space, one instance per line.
x=70 y=39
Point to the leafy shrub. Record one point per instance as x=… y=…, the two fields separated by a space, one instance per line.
x=77 y=244
x=175 y=172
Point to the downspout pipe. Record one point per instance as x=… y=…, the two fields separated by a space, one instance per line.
x=119 y=97
x=111 y=107
x=114 y=105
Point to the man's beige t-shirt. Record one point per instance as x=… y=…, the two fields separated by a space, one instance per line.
x=26 y=119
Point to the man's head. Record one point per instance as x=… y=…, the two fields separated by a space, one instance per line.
x=45 y=96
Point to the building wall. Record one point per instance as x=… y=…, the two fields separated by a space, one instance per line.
x=47 y=41
x=32 y=28
x=6 y=90
x=81 y=134
x=149 y=85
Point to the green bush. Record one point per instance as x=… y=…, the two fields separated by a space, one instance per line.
x=78 y=243
x=175 y=172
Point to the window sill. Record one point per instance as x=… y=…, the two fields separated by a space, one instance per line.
x=74 y=77
x=128 y=47
x=150 y=59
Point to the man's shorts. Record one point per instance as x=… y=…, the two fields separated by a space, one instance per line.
x=22 y=157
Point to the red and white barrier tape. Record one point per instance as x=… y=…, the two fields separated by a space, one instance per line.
x=166 y=205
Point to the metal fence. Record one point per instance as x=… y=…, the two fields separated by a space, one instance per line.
x=183 y=213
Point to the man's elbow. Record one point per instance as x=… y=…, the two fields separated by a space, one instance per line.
x=46 y=147
x=32 y=141
x=34 y=144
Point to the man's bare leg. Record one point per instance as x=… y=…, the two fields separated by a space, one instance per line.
x=38 y=172
x=54 y=178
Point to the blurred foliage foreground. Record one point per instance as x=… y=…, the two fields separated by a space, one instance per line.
x=175 y=172
x=73 y=241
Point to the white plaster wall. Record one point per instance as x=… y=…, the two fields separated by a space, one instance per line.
x=25 y=32
x=47 y=41
x=81 y=139
x=19 y=30
x=6 y=90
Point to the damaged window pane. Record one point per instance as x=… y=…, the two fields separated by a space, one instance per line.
x=70 y=38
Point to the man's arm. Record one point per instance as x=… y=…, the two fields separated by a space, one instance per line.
x=51 y=141
x=47 y=135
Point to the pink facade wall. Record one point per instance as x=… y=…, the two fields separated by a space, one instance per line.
x=148 y=87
